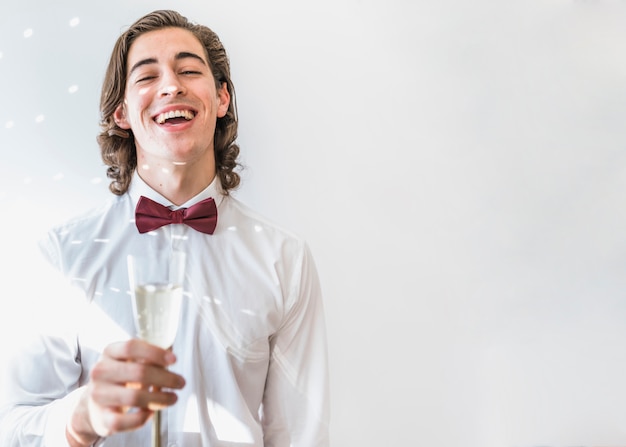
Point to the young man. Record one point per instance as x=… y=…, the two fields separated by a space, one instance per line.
x=249 y=364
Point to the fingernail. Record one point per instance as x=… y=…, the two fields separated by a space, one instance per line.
x=170 y=358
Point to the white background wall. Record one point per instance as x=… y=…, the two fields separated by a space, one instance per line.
x=457 y=167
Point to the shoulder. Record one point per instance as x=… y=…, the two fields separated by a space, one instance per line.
x=279 y=250
x=97 y=223
x=114 y=209
x=235 y=215
x=255 y=236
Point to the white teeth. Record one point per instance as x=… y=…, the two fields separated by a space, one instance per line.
x=187 y=114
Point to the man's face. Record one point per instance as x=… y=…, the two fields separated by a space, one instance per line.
x=171 y=103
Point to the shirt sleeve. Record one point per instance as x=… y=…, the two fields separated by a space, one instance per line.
x=296 y=400
x=41 y=372
x=40 y=394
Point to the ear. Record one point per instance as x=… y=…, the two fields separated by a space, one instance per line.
x=224 y=100
x=120 y=117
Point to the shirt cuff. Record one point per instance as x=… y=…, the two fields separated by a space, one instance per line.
x=58 y=417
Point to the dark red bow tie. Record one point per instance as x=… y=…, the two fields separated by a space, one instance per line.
x=150 y=215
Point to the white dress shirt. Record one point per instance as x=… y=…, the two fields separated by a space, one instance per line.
x=251 y=343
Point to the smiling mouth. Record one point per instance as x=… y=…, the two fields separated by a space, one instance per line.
x=175 y=116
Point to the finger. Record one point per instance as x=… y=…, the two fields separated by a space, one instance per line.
x=151 y=405
x=141 y=351
x=139 y=374
x=114 y=422
x=121 y=399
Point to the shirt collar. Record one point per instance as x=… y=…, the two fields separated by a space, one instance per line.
x=138 y=188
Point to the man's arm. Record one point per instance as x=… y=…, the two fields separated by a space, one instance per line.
x=40 y=388
x=43 y=404
x=296 y=399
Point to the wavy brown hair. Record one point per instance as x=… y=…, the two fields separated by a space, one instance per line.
x=117 y=145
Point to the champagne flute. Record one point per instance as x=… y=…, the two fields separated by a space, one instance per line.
x=156 y=283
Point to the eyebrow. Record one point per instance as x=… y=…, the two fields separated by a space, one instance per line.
x=153 y=60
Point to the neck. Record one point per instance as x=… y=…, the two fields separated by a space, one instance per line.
x=177 y=183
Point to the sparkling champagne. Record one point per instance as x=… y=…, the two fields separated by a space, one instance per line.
x=157 y=308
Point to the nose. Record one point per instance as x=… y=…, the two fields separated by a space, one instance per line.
x=171 y=85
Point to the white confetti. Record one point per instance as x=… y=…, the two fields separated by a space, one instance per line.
x=74 y=22
x=28 y=33
x=73 y=89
